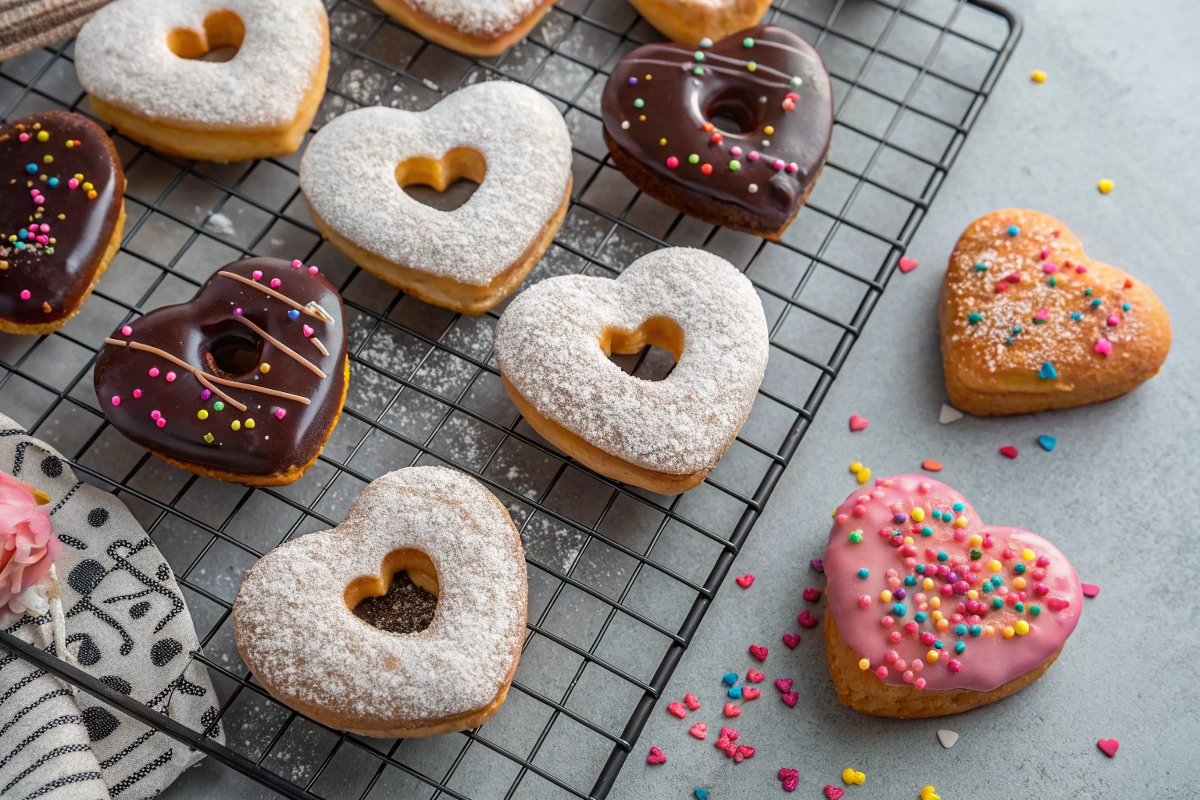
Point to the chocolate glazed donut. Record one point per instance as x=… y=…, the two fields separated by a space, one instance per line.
x=243 y=383
x=734 y=134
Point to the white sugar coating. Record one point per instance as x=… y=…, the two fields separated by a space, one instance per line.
x=296 y=633
x=122 y=58
x=348 y=176
x=482 y=18
x=547 y=346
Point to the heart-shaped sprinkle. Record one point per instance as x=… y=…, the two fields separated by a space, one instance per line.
x=744 y=581
x=817 y=564
x=677 y=709
x=791 y=640
x=949 y=414
x=1047 y=442
x=947 y=738
x=790 y=778
x=783 y=684
x=853 y=777
x=750 y=693
x=731 y=710
x=1089 y=589
x=929 y=465
x=743 y=751
x=812 y=595
x=726 y=745
x=929 y=793
x=857 y=423
x=729 y=678
x=1108 y=746
x=699 y=730
x=691 y=701
x=754 y=676
x=729 y=733
x=656 y=756
x=806 y=619
x=701 y=794
x=759 y=652
x=834 y=792
x=1008 y=451
x=790 y=698
x=907 y=264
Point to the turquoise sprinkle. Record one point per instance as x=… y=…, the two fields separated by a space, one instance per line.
x=960 y=630
x=910 y=580
x=735 y=692
x=1035 y=610
x=899 y=609
x=1047 y=372
x=927 y=531
x=1019 y=606
x=997 y=602
x=24 y=234
x=937 y=513
x=1075 y=315
x=1087 y=292
x=31 y=168
x=747 y=42
x=54 y=182
x=920 y=569
x=938 y=644
x=997 y=581
x=1126 y=306
x=960 y=646
x=639 y=103
x=974 y=317
x=976 y=630
x=981 y=266
x=19 y=245
x=1013 y=230
x=1053 y=281
x=942 y=555
x=1017 y=329
x=920 y=616
x=701 y=794
x=864 y=572
x=730 y=678
x=959 y=507
x=1019 y=569
x=1096 y=303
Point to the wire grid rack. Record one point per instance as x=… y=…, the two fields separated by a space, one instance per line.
x=620 y=579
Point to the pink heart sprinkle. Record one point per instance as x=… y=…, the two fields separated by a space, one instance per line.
x=750 y=693
x=728 y=747
x=1008 y=451
x=744 y=751
x=791 y=640
x=677 y=709
x=907 y=265
x=857 y=423
x=807 y=620
x=1108 y=746
x=699 y=730
x=812 y=595
x=833 y=792
x=1103 y=346
x=817 y=563
x=759 y=652
x=744 y=581
x=729 y=733
x=691 y=701
x=731 y=710
x=1090 y=589
x=308 y=332
x=790 y=778
x=754 y=676
x=656 y=756
x=783 y=684
x=790 y=698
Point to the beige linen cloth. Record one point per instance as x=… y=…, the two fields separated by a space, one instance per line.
x=28 y=24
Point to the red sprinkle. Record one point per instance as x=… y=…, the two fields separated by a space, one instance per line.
x=754 y=676
x=783 y=684
x=791 y=640
x=750 y=693
x=699 y=730
x=790 y=778
x=759 y=652
x=1008 y=451
x=656 y=756
x=807 y=620
x=834 y=792
x=931 y=466
x=677 y=709
x=908 y=264
x=812 y=595
x=1090 y=589
x=1108 y=746
x=731 y=710
x=691 y=701
x=743 y=752
x=790 y=698
x=744 y=581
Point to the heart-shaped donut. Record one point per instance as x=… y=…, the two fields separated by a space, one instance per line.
x=139 y=62
x=62 y=212
x=506 y=137
x=930 y=611
x=692 y=22
x=735 y=134
x=296 y=630
x=244 y=382
x=1029 y=322
x=474 y=27
x=552 y=347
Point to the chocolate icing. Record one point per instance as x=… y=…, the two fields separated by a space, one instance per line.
x=57 y=273
x=405 y=608
x=679 y=105
x=208 y=333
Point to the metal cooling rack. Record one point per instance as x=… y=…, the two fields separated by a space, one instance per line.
x=619 y=578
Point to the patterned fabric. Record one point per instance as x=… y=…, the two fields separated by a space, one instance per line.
x=124 y=621
x=28 y=24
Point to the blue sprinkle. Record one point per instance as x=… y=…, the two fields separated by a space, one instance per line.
x=942 y=555
x=959 y=507
x=19 y=245
x=960 y=630
x=730 y=678
x=1075 y=315
x=910 y=580
x=920 y=616
x=31 y=168
x=927 y=531
x=863 y=572
x=1047 y=372
x=24 y=234
x=976 y=630
x=1047 y=442
x=1126 y=306
x=959 y=647
x=293 y=314
x=938 y=644
x=899 y=609
x=1013 y=230
x=701 y=794
x=53 y=182
x=735 y=692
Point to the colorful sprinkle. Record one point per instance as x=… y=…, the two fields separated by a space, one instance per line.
x=1038 y=76
x=153 y=372
x=744 y=581
x=116 y=400
x=1008 y=451
x=1047 y=371
x=1047 y=442
x=1105 y=185
x=1013 y=230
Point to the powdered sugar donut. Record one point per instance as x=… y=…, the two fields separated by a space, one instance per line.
x=138 y=61
x=506 y=137
x=295 y=624
x=474 y=27
x=552 y=347
x=933 y=612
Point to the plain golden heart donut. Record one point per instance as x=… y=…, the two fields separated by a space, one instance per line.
x=139 y=62
x=690 y=21
x=295 y=627
x=1029 y=322
x=474 y=27
x=553 y=343
x=506 y=137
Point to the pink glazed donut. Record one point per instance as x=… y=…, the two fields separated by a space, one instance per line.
x=932 y=612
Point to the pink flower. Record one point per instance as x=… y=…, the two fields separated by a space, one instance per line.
x=28 y=547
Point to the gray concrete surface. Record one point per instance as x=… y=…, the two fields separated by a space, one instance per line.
x=1120 y=102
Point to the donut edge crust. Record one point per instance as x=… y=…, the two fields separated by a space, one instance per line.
x=110 y=252
x=176 y=138
x=861 y=691
x=688 y=23
x=455 y=295
x=707 y=210
x=289 y=476
x=449 y=36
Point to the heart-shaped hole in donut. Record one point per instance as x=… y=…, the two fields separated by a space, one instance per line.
x=444 y=183
x=234 y=354
x=650 y=352
x=219 y=41
x=735 y=111
x=402 y=598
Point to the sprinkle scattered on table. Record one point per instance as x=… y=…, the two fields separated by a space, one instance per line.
x=857 y=423
x=758 y=651
x=1108 y=746
x=929 y=793
x=806 y=619
x=1047 y=442
x=1105 y=185
x=790 y=698
x=691 y=701
x=1008 y=451
x=1090 y=589
x=929 y=465
x=861 y=474
x=811 y=594
x=699 y=730
x=790 y=778
x=701 y=794
x=949 y=414
x=1038 y=76
x=833 y=792
x=656 y=756
x=744 y=581
x=817 y=564
x=947 y=738
x=676 y=709
x=851 y=777
x=730 y=678
x=791 y=640
x=908 y=264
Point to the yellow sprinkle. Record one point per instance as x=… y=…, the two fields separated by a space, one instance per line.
x=48 y=159
x=1028 y=554
x=1019 y=582
x=1105 y=185
x=961 y=522
x=70 y=143
x=1022 y=627
x=942 y=624
x=87 y=186
x=988 y=630
x=662 y=142
x=927 y=583
x=642 y=118
x=237 y=426
x=43 y=136
x=856 y=467
x=202 y=414
x=3 y=265
x=864 y=663
x=1009 y=632
x=918 y=514
x=935 y=602
x=863 y=475
x=250 y=423
x=931 y=656
x=649 y=77
x=886 y=596
x=1038 y=76
x=937 y=615
x=972 y=594
x=78 y=176
x=264 y=368
x=769 y=130
x=41 y=497
x=908 y=540
x=975 y=540
x=995 y=566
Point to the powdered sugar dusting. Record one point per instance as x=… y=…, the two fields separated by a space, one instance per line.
x=482 y=18
x=348 y=176
x=294 y=630
x=122 y=58
x=547 y=346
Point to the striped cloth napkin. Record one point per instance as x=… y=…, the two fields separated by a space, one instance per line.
x=28 y=24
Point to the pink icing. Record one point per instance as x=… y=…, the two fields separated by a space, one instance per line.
x=27 y=549
x=892 y=547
